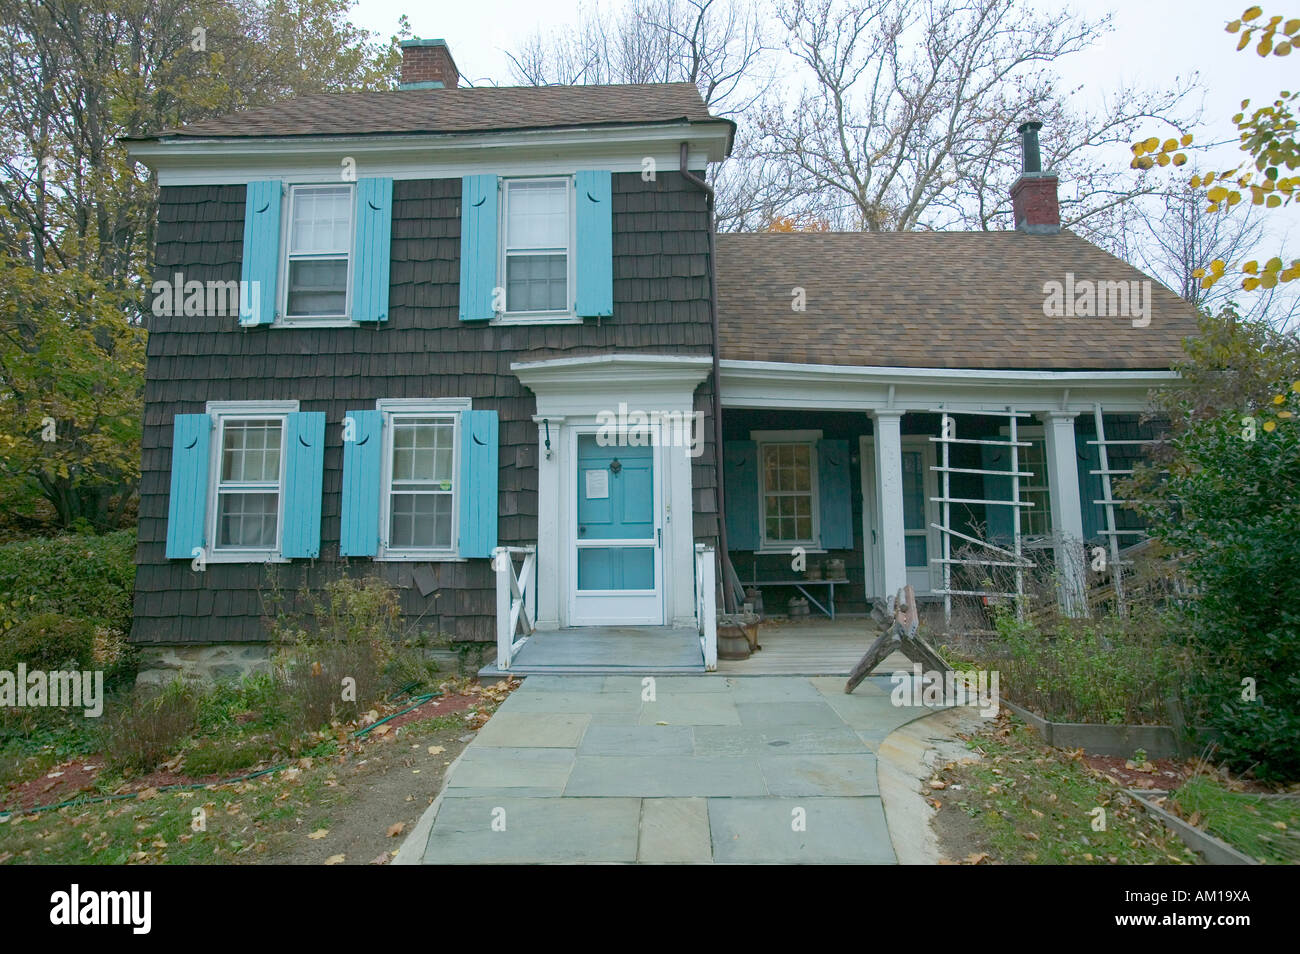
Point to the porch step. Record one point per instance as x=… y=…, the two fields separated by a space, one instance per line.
x=607 y=650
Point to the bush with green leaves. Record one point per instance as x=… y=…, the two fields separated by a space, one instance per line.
x=1236 y=525
x=81 y=576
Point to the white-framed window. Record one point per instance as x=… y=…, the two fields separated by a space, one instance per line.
x=421 y=478
x=1035 y=521
x=318 y=253
x=787 y=489
x=246 y=492
x=536 y=266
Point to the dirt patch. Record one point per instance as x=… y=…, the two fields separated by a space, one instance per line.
x=1155 y=774
x=373 y=800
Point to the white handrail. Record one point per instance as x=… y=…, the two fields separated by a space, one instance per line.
x=516 y=600
x=706 y=604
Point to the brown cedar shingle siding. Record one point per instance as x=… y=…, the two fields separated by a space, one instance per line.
x=931 y=299
x=423 y=350
x=480 y=109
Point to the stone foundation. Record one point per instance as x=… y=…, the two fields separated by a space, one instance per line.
x=160 y=665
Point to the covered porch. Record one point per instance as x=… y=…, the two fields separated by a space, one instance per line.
x=963 y=484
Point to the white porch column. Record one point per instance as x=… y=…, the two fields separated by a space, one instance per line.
x=550 y=529
x=889 y=502
x=1067 y=511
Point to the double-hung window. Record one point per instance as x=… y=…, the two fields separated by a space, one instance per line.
x=318 y=252
x=421 y=467
x=537 y=246
x=247 y=507
x=788 y=490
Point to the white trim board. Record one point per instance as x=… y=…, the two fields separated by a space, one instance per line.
x=763 y=384
x=219 y=161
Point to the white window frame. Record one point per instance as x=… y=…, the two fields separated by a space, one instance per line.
x=282 y=307
x=569 y=314
x=809 y=437
x=395 y=408
x=1039 y=483
x=221 y=412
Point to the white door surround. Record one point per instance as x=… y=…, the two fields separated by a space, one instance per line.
x=574 y=395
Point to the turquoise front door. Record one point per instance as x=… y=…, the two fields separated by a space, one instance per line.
x=617 y=535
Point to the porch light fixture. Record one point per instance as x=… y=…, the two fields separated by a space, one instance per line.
x=546 y=423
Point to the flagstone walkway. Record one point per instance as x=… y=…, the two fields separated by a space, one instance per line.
x=765 y=769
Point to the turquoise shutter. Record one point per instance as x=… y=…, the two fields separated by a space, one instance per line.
x=1090 y=486
x=997 y=517
x=740 y=493
x=374 y=240
x=304 y=447
x=833 y=495
x=362 y=468
x=478 y=246
x=595 y=244
x=260 y=271
x=478 y=483
x=187 y=504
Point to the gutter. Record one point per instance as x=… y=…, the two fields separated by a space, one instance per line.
x=728 y=571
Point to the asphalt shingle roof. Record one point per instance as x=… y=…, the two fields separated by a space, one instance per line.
x=463 y=109
x=932 y=299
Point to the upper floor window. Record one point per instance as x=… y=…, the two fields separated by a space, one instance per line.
x=537 y=246
x=318 y=251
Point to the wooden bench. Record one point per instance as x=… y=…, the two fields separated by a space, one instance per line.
x=828 y=609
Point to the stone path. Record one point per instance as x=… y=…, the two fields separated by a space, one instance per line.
x=712 y=769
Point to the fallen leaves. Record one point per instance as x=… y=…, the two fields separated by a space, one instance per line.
x=318 y=834
x=396 y=829
x=336 y=859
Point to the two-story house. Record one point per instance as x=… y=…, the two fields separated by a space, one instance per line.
x=483 y=342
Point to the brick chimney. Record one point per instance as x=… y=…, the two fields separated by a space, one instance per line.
x=1034 y=204
x=427 y=64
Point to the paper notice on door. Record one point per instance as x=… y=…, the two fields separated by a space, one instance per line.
x=597 y=484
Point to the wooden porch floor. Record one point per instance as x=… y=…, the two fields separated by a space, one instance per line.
x=609 y=649
x=812 y=647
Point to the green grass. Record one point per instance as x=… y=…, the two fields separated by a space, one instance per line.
x=1267 y=829
x=240 y=820
x=1035 y=805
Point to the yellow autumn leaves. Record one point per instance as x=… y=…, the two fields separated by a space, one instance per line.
x=1284 y=414
x=1269 y=42
x=1268 y=134
x=1152 y=152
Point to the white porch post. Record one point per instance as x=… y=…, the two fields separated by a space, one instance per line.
x=889 y=493
x=550 y=529
x=1067 y=511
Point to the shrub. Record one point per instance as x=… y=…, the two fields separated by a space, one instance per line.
x=1114 y=670
x=314 y=684
x=82 y=576
x=149 y=727
x=1235 y=525
x=48 y=641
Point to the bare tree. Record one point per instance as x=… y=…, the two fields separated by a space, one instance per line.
x=716 y=44
x=908 y=116
x=1171 y=235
